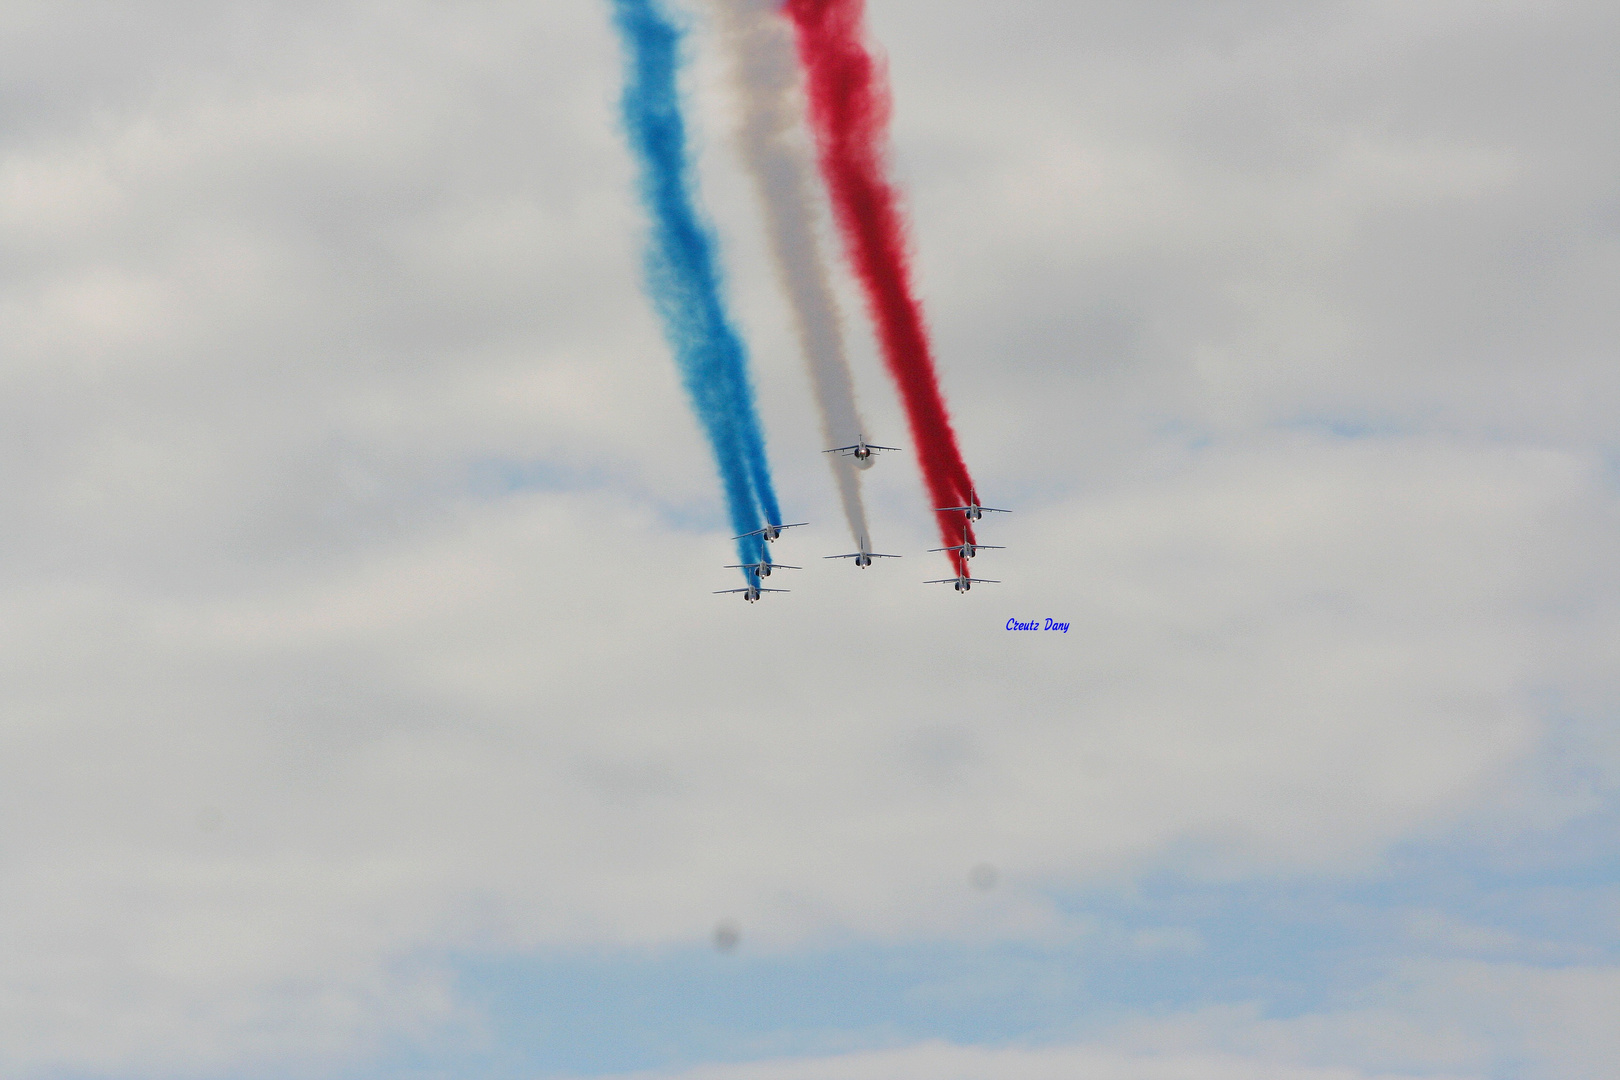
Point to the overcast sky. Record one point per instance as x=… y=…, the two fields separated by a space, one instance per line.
x=365 y=708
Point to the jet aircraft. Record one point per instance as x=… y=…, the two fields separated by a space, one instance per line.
x=861 y=451
x=863 y=558
x=973 y=510
x=763 y=568
x=750 y=594
x=770 y=532
x=962 y=582
x=967 y=549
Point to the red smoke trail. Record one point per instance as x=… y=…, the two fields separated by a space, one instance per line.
x=849 y=112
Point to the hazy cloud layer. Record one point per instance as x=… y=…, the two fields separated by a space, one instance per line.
x=357 y=546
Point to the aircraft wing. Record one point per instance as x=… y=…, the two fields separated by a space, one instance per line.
x=774 y=566
x=991 y=509
x=977 y=547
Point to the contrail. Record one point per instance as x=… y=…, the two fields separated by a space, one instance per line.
x=683 y=273
x=765 y=74
x=849 y=111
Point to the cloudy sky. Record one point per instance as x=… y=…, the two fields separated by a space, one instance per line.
x=366 y=711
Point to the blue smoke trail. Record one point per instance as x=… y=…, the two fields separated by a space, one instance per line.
x=683 y=277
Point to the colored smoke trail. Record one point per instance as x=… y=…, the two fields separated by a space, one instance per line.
x=849 y=111
x=683 y=274
x=765 y=74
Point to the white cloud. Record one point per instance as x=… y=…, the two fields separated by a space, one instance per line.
x=464 y=743
x=294 y=295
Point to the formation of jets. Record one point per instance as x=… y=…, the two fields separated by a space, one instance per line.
x=862 y=452
x=963 y=581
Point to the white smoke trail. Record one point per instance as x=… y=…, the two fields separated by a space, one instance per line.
x=765 y=72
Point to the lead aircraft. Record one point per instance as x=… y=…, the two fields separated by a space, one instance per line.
x=861 y=451
x=750 y=594
x=863 y=558
x=962 y=582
